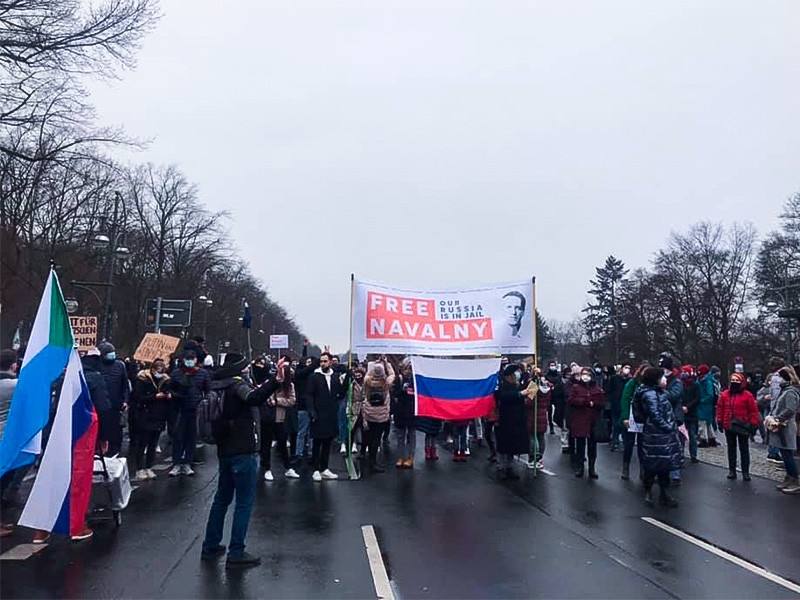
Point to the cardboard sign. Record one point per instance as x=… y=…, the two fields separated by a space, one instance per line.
x=156 y=345
x=277 y=342
x=84 y=330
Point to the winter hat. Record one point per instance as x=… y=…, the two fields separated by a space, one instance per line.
x=738 y=378
x=106 y=348
x=189 y=353
x=93 y=352
x=665 y=361
x=703 y=370
x=376 y=371
x=510 y=370
x=576 y=370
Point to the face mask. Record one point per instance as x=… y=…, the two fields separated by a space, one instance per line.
x=111 y=356
x=663 y=382
x=544 y=388
x=553 y=370
x=736 y=387
x=158 y=375
x=586 y=378
x=626 y=371
x=598 y=371
x=189 y=363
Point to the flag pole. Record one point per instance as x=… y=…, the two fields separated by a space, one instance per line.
x=535 y=365
x=351 y=468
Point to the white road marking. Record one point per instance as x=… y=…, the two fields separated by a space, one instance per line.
x=380 y=578
x=547 y=472
x=22 y=551
x=739 y=562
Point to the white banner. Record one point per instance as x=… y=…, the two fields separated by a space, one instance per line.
x=278 y=342
x=494 y=319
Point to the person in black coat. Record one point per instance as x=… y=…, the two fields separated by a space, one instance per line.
x=116 y=376
x=189 y=383
x=660 y=450
x=151 y=403
x=512 y=428
x=106 y=417
x=304 y=370
x=324 y=390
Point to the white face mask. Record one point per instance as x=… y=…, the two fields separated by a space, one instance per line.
x=663 y=382
x=626 y=371
x=544 y=388
x=586 y=378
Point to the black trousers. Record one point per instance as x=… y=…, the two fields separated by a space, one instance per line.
x=583 y=447
x=650 y=478
x=321 y=453
x=144 y=449
x=375 y=433
x=273 y=431
x=731 y=439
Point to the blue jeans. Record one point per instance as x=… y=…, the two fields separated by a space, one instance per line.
x=184 y=438
x=789 y=462
x=237 y=475
x=343 y=429
x=302 y=432
x=692 y=428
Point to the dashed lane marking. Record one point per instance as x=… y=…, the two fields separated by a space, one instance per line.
x=22 y=551
x=739 y=562
x=380 y=578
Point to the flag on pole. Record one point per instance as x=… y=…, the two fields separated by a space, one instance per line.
x=60 y=494
x=247 y=317
x=48 y=352
x=452 y=389
x=17 y=343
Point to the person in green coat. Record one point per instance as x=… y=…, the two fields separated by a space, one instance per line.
x=629 y=438
x=705 y=410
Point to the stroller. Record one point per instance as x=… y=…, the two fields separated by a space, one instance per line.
x=111 y=489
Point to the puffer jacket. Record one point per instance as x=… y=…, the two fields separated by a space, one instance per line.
x=188 y=387
x=741 y=405
x=151 y=412
x=660 y=450
x=403 y=403
x=380 y=413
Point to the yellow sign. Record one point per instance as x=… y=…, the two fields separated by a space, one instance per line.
x=84 y=330
x=156 y=345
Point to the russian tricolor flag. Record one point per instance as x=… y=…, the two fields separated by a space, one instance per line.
x=60 y=495
x=454 y=389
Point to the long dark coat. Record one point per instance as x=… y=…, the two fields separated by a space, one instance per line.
x=581 y=415
x=323 y=404
x=660 y=450
x=512 y=426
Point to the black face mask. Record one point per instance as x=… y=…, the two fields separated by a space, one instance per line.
x=736 y=387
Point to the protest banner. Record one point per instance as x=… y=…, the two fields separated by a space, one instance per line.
x=279 y=341
x=156 y=345
x=494 y=319
x=84 y=330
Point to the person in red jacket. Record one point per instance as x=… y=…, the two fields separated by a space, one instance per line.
x=586 y=402
x=737 y=414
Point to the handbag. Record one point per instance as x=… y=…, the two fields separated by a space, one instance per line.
x=740 y=426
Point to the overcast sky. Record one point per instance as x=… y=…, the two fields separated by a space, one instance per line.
x=451 y=143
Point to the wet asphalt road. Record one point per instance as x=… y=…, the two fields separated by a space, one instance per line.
x=446 y=530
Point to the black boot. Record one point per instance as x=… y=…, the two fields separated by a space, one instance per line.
x=732 y=474
x=648 y=497
x=667 y=500
x=592 y=471
x=626 y=471
x=745 y=476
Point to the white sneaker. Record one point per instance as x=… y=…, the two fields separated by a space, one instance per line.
x=291 y=474
x=274 y=443
x=175 y=471
x=531 y=464
x=158 y=449
x=151 y=474
x=187 y=470
x=539 y=465
x=268 y=476
x=466 y=451
x=328 y=474
x=317 y=476
x=343 y=449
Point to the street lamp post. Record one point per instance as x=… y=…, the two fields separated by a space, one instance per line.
x=207 y=302
x=782 y=294
x=115 y=252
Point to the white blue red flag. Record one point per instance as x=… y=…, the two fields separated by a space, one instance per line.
x=60 y=494
x=454 y=389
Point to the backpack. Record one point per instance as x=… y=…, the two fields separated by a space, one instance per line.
x=376 y=398
x=637 y=404
x=209 y=412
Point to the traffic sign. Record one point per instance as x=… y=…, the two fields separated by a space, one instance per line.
x=174 y=313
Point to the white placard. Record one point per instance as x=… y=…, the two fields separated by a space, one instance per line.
x=278 y=342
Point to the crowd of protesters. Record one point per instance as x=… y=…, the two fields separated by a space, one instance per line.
x=301 y=410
